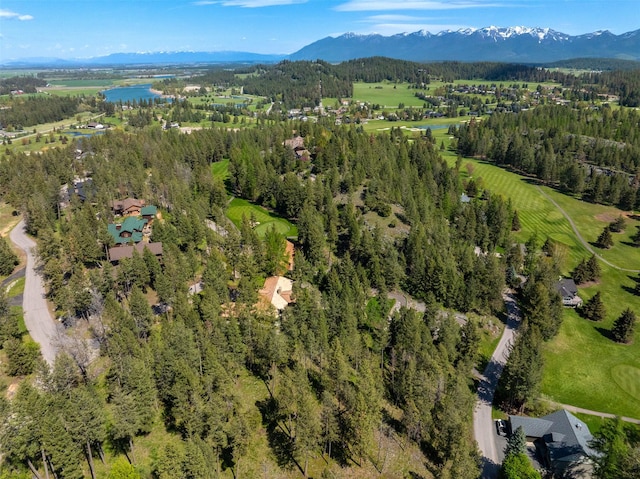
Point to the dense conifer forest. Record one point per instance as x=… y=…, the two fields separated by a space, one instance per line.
x=333 y=368
x=208 y=375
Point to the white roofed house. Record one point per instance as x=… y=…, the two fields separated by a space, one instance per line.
x=277 y=291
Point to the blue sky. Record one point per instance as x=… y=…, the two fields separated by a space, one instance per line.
x=88 y=28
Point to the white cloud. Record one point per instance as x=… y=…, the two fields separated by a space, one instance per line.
x=248 y=3
x=9 y=15
x=382 y=5
x=394 y=19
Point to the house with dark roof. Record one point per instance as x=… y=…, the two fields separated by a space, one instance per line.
x=569 y=292
x=562 y=442
x=121 y=252
x=83 y=189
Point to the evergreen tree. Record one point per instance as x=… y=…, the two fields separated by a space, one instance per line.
x=580 y=274
x=636 y=238
x=593 y=268
x=8 y=259
x=515 y=222
x=522 y=375
x=624 y=326
x=605 y=240
x=517 y=443
x=594 y=308
x=617 y=225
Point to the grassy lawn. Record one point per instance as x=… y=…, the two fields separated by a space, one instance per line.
x=265 y=219
x=17 y=288
x=590 y=220
x=414 y=127
x=386 y=94
x=586 y=369
x=220 y=170
x=583 y=367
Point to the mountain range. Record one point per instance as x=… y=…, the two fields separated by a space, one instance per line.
x=510 y=44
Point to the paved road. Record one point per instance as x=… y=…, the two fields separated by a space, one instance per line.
x=43 y=328
x=579 y=236
x=483 y=425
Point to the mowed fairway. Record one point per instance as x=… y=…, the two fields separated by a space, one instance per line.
x=220 y=170
x=583 y=366
x=264 y=219
x=386 y=94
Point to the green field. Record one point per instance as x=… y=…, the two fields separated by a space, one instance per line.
x=583 y=367
x=81 y=83
x=386 y=94
x=264 y=219
x=74 y=91
x=220 y=170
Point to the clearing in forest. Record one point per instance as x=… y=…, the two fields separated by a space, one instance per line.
x=263 y=219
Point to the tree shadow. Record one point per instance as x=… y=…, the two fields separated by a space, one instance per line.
x=629 y=289
x=280 y=442
x=605 y=332
x=392 y=422
x=489 y=469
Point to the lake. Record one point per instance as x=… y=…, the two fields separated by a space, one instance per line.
x=130 y=93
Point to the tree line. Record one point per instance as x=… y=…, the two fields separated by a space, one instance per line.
x=587 y=152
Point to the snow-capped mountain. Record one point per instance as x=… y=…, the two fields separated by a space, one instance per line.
x=504 y=44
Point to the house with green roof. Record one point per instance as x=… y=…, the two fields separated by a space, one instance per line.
x=562 y=442
x=149 y=212
x=129 y=231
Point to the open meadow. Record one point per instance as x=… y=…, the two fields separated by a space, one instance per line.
x=583 y=366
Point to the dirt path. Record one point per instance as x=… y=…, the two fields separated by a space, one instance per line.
x=575 y=409
x=43 y=328
x=579 y=236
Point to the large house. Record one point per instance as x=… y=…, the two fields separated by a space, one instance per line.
x=277 y=291
x=129 y=235
x=129 y=231
x=569 y=292
x=128 y=206
x=561 y=441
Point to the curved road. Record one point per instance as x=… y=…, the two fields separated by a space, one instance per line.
x=579 y=236
x=483 y=425
x=43 y=328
